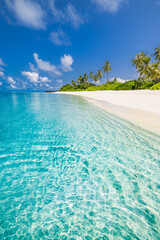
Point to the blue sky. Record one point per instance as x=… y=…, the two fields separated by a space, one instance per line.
x=47 y=43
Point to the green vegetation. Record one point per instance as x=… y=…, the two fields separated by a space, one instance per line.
x=149 y=76
x=146 y=69
x=113 y=85
x=156 y=86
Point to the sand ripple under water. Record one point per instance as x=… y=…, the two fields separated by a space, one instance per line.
x=68 y=170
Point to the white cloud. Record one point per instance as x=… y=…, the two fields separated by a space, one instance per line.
x=47 y=85
x=38 y=14
x=45 y=65
x=44 y=79
x=32 y=76
x=119 y=80
x=57 y=13
x=73 y=17
x=60 y=81
x=27 y=12
x=13 y=86
x=1 y=74
x=0 y=83
x=2 y=63
x=59 y=38
x=67 y=15
x=109 y=5
x=33 y=68
x=66 y=63
x=11 y=80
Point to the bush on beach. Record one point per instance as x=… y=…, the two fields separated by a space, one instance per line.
x=112 y=85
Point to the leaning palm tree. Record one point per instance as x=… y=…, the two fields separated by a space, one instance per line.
x=157 y=54
x=144 y=67
x=154 y=72
x=142 y=63
x=138 y=59
x=99 y=75
x=107 y=68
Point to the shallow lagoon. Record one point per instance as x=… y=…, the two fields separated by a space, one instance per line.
x=69 y=170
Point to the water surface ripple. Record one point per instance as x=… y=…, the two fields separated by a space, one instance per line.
x=69 y=170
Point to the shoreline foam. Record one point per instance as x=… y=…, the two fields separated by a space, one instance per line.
x=141 y=107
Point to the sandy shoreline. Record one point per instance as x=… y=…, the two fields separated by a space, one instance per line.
x=141 y=107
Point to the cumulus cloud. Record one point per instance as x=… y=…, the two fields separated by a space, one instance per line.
x=66 y=63
x=45 y=65
x=109 y=5
x=59 y=38
x=11 y=80
x=27 y=12
x=31 y=76
x=34 y=77
x=0 y=83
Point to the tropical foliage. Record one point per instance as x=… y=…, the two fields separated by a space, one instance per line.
x=107 y=68
x=148 y=70
x=82 y=83
x=114 y=85
x=147 y=66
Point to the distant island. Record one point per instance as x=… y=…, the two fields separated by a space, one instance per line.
x=149 y=76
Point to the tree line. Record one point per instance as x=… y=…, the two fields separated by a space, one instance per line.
x=83 y=80
x=147 y=66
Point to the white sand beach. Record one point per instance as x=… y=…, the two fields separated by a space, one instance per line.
x=141 y=107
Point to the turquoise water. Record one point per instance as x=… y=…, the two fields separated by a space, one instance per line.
x=69 y=170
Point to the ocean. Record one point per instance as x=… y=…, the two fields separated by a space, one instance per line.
x=70 y=170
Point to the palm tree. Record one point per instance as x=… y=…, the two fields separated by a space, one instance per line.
x=85 y=78
x=157 y=54
x=107 y=68
x=91 y=75
x=80 y=80
x=95 y=78
x=144 y=67
x=99 y=74
x=142 y=63
x=74 y=83
x=115 y=80
x=154 y=72
x=138 y=59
